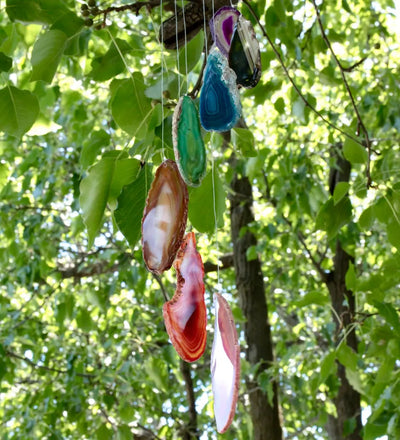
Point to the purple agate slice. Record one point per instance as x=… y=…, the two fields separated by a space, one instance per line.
x=222 y=25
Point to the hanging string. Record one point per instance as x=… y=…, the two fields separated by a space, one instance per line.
x=185 y=36
x=215 y=218
x=205 y=30
x=162 y=79
x=177 y=47
x=213 y=13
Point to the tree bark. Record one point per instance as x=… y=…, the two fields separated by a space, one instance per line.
x=250 y=286
x=347 y=401
x=190 y=21
x=190 y=431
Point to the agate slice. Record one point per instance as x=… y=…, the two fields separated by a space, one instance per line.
x=220 y=106
x=225 y=365
x=190 y=153
x=221 y=27
x=244 y=54
x=164 y=218
x=185 y=315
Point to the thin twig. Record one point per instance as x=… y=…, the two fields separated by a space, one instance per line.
x=44 y=367
x=299 y=234
x=347 y=87
x=298 y=91
x=160 y=283
x=133 y=7
x=196 y=88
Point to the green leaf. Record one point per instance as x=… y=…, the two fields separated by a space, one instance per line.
x=125 y=172
x=110 y=64
x=131 y=204
x=46 y=55
x=328 y=367
x=351 y=278
x=3 y=175
x=355 y=381
x=340 y=191
x=190 y=55
x=354 y=152
x=18 y=110
x=71 y=25
x=346 y=6
x=94 y=191
x=251 y=253
x=243 y=139
x=5 y=62
x=103 y=185
x=35 y=11
x=92 y=147
x=104 y=433
x=390 y=314
x=393 y=233
x=201 y=204
x=347 y=356
x=84 y=320
x=332 y=218
x=298 y=108
x=130 y=107
x=279 y=105
x=366 y=219
x=314 y=297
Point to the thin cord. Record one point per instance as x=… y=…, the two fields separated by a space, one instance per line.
x=213 y=13
x=186 y=59
x=162 y=81
x=205 y=30
x=177 y=47
x=215 y=218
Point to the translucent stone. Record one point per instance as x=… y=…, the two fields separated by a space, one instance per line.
x=185 y=315
x=220 y=106
x=222 y=25
x=190 y=153
x=164 y=218
x=225 y=364
x=244 y=54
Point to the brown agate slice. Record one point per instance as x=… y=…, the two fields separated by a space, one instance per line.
x=225 y=365
x=185 y=315
x=164 y=217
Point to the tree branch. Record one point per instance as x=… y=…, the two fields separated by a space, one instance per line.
x=162 y=287
x=191 y=428
x=133 y=7
x=225 y=262
x=14 y=355
x=347 y=87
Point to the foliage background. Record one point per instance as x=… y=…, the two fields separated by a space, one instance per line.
x=84 y=352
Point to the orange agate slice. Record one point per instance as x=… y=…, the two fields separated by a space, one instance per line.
x=185 y=315
x=164 y=218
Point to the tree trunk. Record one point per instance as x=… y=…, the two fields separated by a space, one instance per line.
x=347 y=401
x=250 y=286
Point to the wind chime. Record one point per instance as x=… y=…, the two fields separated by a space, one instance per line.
x=233 y=61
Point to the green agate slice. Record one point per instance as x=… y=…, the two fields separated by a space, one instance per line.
x=190 y=153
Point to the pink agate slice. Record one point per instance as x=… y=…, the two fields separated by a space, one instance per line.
x=222 y=25
x=185 y=315
x=164 y=218
x=225 y=364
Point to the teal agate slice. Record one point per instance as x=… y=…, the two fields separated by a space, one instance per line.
x=220 y=106
x=244 y=54
x=190 y=153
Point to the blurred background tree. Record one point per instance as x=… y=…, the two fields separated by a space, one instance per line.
x=307 y=204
